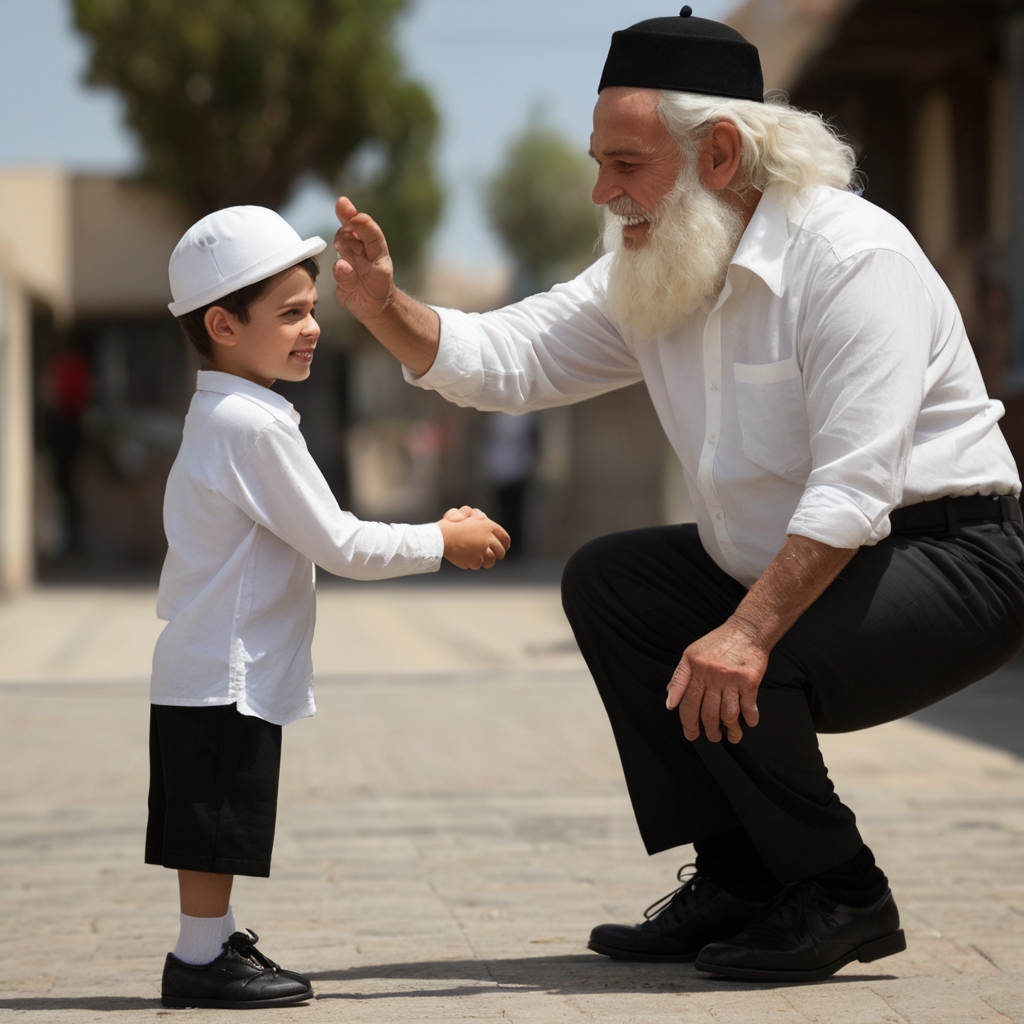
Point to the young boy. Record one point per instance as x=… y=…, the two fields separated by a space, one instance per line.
x=248 y=515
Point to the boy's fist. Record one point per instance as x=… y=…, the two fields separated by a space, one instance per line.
x=471 y=540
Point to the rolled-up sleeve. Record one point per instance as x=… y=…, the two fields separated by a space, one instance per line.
x=278 y=485
x=865 y=350
x=551 y=349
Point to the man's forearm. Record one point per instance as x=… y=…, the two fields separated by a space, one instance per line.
x=410 y=331
x=795 y=579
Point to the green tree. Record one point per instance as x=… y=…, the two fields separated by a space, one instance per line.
x=539 y=203
x=234 y=100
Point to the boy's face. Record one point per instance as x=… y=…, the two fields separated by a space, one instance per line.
x=278 y=341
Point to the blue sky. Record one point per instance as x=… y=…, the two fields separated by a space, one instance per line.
x=487 y=64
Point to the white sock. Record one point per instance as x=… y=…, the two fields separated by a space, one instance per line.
x=200 y=939
x=228 y=925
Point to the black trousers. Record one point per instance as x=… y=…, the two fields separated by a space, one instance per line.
x=906 y=623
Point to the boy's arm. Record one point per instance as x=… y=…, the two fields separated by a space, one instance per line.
x=279 y=486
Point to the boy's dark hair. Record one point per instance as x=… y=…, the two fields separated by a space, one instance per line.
x=237 y=303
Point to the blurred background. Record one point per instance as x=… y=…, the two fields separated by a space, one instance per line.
x=462 y=127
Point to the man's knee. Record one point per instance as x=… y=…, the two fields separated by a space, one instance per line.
x=588 y=570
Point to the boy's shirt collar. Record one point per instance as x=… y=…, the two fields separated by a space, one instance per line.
x=230 y=384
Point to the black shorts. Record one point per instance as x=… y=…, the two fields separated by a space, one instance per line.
x=213 y=776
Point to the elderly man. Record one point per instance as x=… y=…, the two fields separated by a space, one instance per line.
x=858 y=550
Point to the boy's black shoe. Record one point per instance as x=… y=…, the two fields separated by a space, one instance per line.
x=679 y=926
x=806 y=936
x=241 y=978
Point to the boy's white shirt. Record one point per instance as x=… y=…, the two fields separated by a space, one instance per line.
x=247 y=515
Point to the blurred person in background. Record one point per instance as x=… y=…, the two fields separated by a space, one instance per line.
x=858 y=550
x=65 y=393
x=509 y=459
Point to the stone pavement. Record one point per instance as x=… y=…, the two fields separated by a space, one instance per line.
x=453 y=823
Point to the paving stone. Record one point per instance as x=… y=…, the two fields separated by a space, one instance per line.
x=453 y=823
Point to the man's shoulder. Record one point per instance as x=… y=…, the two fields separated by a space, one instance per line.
x=847 y=225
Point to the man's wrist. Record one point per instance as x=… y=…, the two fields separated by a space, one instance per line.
x=761 y=634
x=385 y=313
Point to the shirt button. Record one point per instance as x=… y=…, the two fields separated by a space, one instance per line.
x=714 y=385
x=718 y=515
x=711 y=439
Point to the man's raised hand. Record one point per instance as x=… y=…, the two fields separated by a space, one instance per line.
x=363 y=272
x=471 y=540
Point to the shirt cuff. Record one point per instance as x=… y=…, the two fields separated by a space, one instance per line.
x=835 y=516
x=452 y=362
x=430 y=541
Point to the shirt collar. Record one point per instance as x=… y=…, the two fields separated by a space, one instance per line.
x=762 y=248
x=229 y=384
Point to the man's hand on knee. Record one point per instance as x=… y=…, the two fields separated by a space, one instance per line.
x=716 y=683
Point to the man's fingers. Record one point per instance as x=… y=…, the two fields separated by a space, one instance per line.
x=344 y=209
x=345 y=276
x=359 y=232
x=678 y=683
x=730 y=715
x=689 y=710
x=730 y=707
x=748 y=704
x=733 y=732
x=711 y=715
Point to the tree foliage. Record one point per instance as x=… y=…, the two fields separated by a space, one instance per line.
x=539 y=202
x=234 y=100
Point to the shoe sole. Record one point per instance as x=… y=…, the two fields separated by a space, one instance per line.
x=888 y=946
x=650 y=958
x=184 y=1003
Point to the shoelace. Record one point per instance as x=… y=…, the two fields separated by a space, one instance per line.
x=244 y=944
x=659 y=905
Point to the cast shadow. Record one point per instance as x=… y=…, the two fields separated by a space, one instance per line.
x=990 y=711
x=98 y=1004
x=555 y=975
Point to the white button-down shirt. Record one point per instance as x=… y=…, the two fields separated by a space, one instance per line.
x=247 y=514
x=830 y=381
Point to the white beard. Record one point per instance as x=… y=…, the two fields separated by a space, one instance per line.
x=692 y=237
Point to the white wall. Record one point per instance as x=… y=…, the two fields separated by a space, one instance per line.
x=15 y=436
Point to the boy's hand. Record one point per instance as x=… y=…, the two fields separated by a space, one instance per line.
x=456 y=515
x=471 y=540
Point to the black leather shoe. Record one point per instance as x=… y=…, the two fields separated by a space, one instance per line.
x=241 y=978
x=805 y=936
x=678 y=926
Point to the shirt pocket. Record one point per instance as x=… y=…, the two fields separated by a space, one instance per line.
x=773 y=418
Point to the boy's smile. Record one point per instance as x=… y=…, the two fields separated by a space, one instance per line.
x=280 y=338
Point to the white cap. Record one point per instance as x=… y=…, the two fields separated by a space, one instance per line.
x=230 y=249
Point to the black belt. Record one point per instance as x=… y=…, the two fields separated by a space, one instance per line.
x=946 y=514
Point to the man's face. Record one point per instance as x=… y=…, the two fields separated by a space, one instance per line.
x=639 y=162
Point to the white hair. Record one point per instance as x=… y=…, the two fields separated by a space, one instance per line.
x=780 y=145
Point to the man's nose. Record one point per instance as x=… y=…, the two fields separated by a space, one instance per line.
x=605 y=190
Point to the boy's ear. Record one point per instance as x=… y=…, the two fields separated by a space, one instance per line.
x=221 y=326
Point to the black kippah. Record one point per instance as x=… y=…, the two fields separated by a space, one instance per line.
x=684 y=54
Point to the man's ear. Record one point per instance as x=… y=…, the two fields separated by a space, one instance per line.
x=221 y=326
x=720 y=154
